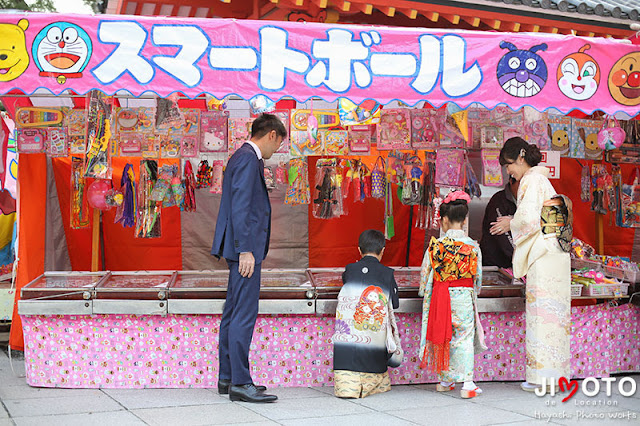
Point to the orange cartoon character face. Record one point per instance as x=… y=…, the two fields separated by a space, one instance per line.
x=624 y=80
x=578 y=75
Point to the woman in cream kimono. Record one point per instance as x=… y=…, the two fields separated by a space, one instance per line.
x=539 y=256
x=450 y=280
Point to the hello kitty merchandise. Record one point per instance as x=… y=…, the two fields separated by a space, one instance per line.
x=213 y=131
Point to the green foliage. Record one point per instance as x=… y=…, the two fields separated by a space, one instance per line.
x=34 y=6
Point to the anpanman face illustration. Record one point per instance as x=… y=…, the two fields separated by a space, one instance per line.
x=624 y=80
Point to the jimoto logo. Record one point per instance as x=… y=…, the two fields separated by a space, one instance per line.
x=591 y=387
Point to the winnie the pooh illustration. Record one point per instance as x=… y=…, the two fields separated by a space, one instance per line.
x=14 y=58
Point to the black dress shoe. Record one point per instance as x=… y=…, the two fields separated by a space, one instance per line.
x=223 y=387
x=249 y=393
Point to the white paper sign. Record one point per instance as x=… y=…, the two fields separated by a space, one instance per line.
x=551 y=159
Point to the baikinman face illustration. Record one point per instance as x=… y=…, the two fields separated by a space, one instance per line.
x=522 y=73
x=578 y=75
x=62 y=50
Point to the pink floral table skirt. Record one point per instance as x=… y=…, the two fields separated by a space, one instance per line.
x=178 y=351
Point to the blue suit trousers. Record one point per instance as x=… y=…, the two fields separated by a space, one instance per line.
x=237 y=324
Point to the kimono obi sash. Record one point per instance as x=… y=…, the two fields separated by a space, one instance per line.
x=452 y=260
x=557 y=218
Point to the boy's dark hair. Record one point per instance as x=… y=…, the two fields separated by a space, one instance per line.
x=456 y=210
x=371 y=241
x=512 y=149
x=265 y=123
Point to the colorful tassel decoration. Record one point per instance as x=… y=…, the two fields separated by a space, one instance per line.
x=128 y=207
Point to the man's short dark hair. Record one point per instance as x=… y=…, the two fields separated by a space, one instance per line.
x=371 y=241
x=265 y=123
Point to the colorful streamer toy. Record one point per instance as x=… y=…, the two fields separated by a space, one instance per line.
x=98 y=135
x=148 y=213
x=79 y=208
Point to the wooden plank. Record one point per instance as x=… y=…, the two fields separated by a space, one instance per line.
x=95 y=241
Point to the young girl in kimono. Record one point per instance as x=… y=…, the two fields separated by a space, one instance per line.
x=539 y=255
x=450 y=280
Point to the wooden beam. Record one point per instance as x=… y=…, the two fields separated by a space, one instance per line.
x=411 y=13
x=454 y=19
x=473 y=21
x=322 y=4
x=432 y=16
x=512 y=27
x=365 y=8
x=390 y=11
x=493 y=23
x=529 y=28
x=342 y=5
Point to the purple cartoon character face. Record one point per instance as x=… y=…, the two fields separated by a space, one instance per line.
x=522 y=73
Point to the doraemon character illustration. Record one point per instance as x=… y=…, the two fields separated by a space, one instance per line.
x=579 y=75
x=61 y=50
x=559 y=139
x=522 y=73
x=624 y=80
x=14 y=57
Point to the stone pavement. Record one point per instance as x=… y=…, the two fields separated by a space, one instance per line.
x=501 y=403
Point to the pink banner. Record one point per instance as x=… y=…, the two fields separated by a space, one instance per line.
x=278 y=59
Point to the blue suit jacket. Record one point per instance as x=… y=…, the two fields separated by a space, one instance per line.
x=244 y=218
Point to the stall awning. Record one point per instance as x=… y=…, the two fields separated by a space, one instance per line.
x=221 y=57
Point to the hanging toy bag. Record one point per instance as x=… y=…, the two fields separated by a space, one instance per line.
x=378 y=179
x=610 y=137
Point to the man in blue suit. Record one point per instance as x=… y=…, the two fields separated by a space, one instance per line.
x=242 y=236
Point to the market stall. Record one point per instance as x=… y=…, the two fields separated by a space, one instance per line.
x=159 y=329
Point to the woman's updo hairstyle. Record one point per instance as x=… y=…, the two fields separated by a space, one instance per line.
x=512 y=149
x=455 y=207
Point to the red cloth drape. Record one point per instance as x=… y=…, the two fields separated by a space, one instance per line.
x=122 y=250
x=32 y=196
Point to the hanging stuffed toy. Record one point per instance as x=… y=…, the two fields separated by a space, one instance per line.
x=189 y=203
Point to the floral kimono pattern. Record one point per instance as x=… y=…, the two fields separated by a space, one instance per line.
x=548 y=292
x=453 y=257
